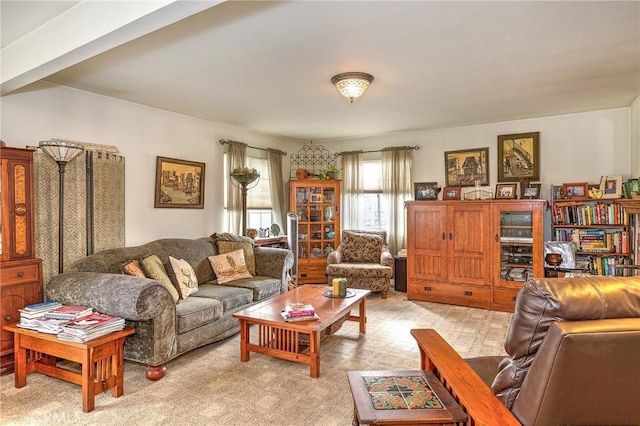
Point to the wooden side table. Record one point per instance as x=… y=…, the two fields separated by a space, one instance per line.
x=402 y=398
x=101 y=360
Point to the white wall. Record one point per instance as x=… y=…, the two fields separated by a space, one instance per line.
x=573 y=148
x=43 y=111
x=635 y=138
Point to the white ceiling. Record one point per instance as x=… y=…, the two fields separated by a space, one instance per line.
x=266 y=65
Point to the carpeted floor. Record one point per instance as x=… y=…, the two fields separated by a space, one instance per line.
x=210 y=386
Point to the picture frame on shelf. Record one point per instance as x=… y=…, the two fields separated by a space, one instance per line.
x=519 y=157
x=466 y=167
x=451 y=193
x=575 y=190
x=506 y=191
x=532 y=192
x=179 y=184
x=611 y=186
x=425 y=191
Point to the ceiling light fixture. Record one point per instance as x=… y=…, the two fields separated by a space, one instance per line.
x=352 y=85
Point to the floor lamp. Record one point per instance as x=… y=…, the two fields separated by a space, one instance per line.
x=243 y=179
x=61 y=152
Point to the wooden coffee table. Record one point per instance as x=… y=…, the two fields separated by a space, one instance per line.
x=281 y=339
x=402 y=398
x=101 y=360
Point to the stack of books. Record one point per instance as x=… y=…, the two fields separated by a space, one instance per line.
x=298 y=311
x=69 y=312
x=32 y=317
x=38 y=310
x=90 y=327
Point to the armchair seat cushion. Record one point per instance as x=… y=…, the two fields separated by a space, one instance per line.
x=360 y=270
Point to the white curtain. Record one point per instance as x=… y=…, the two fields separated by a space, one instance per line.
x=235 y=158
x=396 y=189
x=276 y=183
x=352 y=184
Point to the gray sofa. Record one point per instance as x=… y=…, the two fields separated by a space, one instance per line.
x=164 y=329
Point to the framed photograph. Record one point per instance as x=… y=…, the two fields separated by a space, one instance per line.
x=465 y=167
x=611 y=186
x=179 y=184
x=532 y=191
x=519 y=157
x=576 y=190
x=451 y=193
x=506 y=191
x=425 y=191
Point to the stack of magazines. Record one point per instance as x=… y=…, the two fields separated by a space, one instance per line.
x=297 y=311
x=32 y=317
x=90 y=327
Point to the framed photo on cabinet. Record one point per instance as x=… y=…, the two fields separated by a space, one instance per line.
x=179 y=184
x=519 y=157
x=425 y=191
x=611 y=186
x=451 y=193
x=506 y=191
x=576 y=190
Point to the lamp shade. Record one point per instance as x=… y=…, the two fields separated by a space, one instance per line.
x=61 y=151
x=352 y=85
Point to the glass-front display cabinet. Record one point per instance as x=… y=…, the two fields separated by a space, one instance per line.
x=317 y=204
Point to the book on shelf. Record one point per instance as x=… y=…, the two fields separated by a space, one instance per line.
x=298 y=309
x=288 y=318
x=69 y=312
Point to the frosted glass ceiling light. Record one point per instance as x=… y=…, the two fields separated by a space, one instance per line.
x=352 y=85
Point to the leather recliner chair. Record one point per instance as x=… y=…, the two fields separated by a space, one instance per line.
x=574 y=357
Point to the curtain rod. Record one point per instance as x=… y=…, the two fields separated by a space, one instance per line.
x=391 y=148
x=224 y=141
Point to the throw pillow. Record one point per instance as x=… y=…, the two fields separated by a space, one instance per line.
x=229 y=266
x=361 y=247
x=133 y=267
x=225 y=247
x=183 y=276
x=154 y=269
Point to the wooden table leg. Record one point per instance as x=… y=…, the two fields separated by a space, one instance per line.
x=244 y=340
x=118 y=389
x=20 y=362
x=88 y=395
x=363 y=315
x=314 y=354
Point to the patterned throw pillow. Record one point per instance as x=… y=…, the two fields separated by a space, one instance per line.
x=155 y=270
x=229 y=266
x=225 y=247
x=133 y=267
x=183 y=277
x=361 y=247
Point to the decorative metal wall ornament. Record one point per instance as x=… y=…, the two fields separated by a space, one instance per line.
x=312 y=159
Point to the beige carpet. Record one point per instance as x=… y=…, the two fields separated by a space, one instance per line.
x=210 y=386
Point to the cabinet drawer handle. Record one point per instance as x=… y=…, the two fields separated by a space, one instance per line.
x=427 y=289
x=303 y=275
x=496 y=238
x=468 y=293
x=514 y=298
x=20 y=274
x=444 y=236
x=450 y=236
x=8 y=318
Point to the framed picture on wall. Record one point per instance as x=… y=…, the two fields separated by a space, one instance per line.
x=179 y=184
x=465 y=167
x=519 y=157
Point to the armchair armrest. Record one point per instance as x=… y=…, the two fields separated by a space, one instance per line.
x=386 y=258
x=335 y=256
x=471 y=392
x=275 y=263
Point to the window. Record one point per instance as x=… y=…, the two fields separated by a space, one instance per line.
x=373 y=210
x=258 y=196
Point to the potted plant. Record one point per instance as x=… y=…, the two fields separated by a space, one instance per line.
x=330 y=172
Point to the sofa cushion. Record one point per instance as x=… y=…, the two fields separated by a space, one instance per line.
x=196 y=311
x=226 y=243
x=154 y=269
x=231 y=297
x=362 y=270
x=182 y=276
x=229 y=266
x=361 y=247
x=262 y=287
x=133 y=267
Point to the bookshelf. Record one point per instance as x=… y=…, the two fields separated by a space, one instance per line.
x=602 y=230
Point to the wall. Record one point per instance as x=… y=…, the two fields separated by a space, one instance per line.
x=573 y=148
x=635 y=138
x=43 y=111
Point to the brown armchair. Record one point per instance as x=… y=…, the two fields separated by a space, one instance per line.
x=574 y=357
x=363 y=258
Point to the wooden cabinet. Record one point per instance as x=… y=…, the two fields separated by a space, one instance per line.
x=456 y=252
x=21 y=272
x=317 y=204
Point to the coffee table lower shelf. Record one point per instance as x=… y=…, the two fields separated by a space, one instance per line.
x=101 y=360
